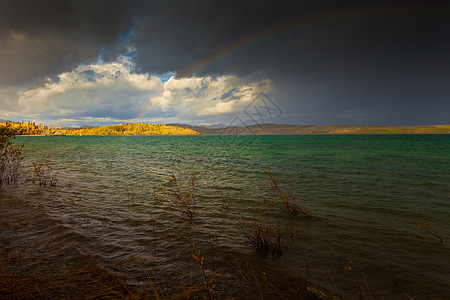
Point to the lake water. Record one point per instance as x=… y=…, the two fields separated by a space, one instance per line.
x=365 y=193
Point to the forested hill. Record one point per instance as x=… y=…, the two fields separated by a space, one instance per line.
x=30 y=128
x=130 y=129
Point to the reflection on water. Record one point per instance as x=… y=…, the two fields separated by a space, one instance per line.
x=365 y=194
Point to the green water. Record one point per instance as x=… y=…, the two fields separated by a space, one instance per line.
x=365 y=194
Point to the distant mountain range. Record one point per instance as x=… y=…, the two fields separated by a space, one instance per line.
x=286 y=129
x=57 y=126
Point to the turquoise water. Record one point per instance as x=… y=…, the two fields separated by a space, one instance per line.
x=365 y=194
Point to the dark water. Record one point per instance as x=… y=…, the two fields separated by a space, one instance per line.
x=365 y=195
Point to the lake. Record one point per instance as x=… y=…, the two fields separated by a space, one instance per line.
x=365 y=195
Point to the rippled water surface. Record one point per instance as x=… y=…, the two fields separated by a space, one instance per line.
x=365 y=195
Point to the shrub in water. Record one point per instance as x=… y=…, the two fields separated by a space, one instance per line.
x=182 y=200
x=266 y=238
x=289 y=198
x=45 y=174
x=10 y=157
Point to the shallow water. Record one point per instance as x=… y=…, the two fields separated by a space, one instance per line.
x=365 y=195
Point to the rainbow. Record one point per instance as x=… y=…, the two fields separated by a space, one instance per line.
x=372 y=12
x=145 y=111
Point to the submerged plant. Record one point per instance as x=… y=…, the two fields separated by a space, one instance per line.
x=267 y=238
x=130 y=192
x=289 y=198
x=209 y=285
x=45 y=174
x=183 y=200
x=349 y=268
x=431 y=231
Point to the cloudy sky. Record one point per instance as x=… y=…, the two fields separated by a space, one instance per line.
x=89 y=62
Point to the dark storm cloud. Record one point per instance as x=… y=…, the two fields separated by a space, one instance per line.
x=329 y=61
x=384 y=61
x=312 y=34
x=42 y=38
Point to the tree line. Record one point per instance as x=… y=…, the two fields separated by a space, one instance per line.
x=30 y=128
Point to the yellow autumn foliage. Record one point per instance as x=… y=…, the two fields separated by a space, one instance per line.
x=30 y=128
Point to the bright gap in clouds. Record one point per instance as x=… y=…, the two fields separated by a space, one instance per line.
x=166 y=76
x=111 y=93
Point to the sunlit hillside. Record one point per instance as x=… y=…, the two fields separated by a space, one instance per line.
x=23 y=128
x=130 y=129
x=30 y=128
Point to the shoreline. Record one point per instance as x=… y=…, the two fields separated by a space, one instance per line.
x=148 y=129
x=249 y=134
